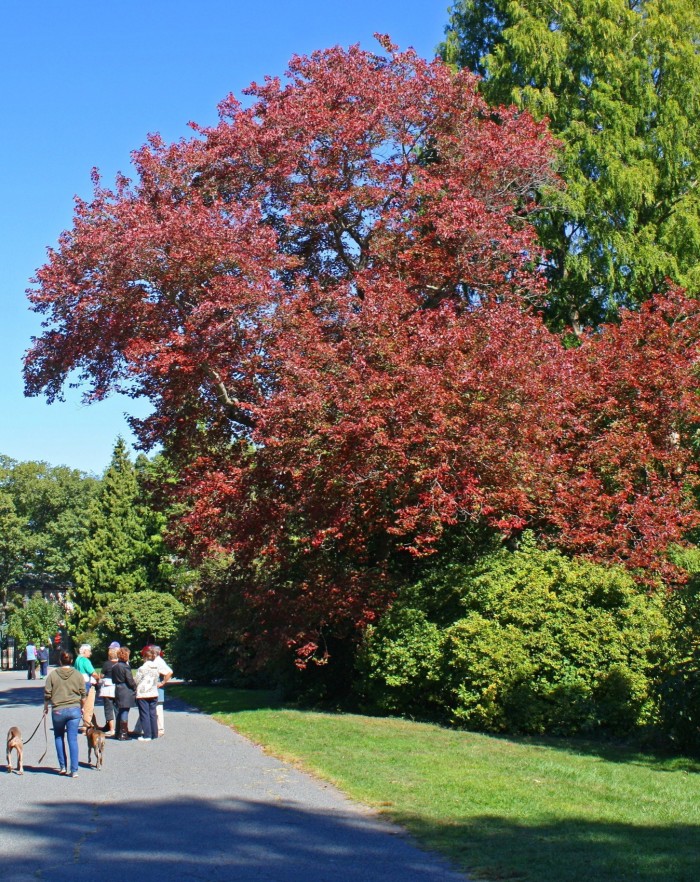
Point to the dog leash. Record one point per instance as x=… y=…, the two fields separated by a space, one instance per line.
x=46 y=737
x=42 y=720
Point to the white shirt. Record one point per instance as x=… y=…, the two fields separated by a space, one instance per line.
x=163 y=667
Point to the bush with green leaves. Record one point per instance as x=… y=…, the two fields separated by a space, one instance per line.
x=524 y=641
x=141 y=617
x=400 y=663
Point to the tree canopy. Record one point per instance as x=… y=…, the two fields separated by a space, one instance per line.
x=15 y=548
x=51 y=502
x=619 y=83
x=330 y=298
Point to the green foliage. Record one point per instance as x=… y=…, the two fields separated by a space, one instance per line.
x=678 y=683
x=52 y=502
x=207 y=646
x=141 y=617
x=15 y=547
x=620 y=84
x=164 y=570
x=542 y=644
x=401 y=661
x=109 y=560
x=196 y=658
x=123 y=551
x=36 y=620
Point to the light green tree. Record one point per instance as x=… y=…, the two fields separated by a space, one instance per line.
x=38 y=620
x=15 y=548
x=53 y=502
x=619 y=81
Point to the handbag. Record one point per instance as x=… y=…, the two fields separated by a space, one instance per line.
x=107 y=689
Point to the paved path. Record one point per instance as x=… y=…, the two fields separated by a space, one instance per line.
x=203 y=803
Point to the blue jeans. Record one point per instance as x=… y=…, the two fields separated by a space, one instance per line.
x=66 y=721
x=148 y=717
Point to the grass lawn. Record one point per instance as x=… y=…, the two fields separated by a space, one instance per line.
x=502 y=808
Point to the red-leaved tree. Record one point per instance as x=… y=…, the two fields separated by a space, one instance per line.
x=330 y=300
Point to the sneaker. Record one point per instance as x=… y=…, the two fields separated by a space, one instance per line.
x=63 y=771
x=74 y=774
x=141 y=738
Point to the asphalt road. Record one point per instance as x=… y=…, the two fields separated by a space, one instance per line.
x=202 y=803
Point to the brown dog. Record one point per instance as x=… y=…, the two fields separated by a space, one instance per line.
x=96 y=741
x=14 y=742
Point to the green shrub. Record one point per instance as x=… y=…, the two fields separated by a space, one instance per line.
x=400 y=664
x=539 y=643
x=141 y=617
x=678 y=680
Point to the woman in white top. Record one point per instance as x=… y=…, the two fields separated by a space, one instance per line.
x=146 y=679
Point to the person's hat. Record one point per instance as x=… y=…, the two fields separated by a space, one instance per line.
x=114 y=645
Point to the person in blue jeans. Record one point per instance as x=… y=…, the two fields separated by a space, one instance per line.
x=42 y=657
x=64 y=690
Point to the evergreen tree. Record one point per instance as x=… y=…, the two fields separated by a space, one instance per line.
x=111 y=558
x=619 y=81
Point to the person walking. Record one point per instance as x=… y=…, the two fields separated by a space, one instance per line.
x=125 y=692
x=31 y=660
x=64 y=690
x=146 y=679
x=43 y=659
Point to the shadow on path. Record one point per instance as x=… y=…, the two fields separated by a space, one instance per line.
x=203 y=839
x=24 y=696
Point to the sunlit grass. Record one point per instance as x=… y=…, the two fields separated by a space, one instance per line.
x=501 y=808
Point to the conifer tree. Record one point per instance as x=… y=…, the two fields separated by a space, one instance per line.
x=111 y=558
x=619 y=81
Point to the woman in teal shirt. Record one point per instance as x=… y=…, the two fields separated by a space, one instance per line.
x=91 y=677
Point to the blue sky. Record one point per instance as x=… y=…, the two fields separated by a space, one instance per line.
x=82 y=83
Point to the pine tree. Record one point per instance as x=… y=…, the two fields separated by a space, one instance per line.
x=619 y=81
x=111 y=558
